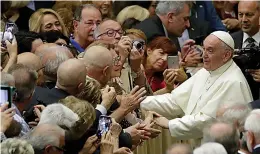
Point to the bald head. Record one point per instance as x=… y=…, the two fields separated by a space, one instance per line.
x=221 y=129
x=30 y=60
x=179 y=149
x=97 y=57
x=99 y=63
x=71 y=73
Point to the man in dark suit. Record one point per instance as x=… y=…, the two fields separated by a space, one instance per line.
x=252 y=127
x=248 y=15
x=171 y=20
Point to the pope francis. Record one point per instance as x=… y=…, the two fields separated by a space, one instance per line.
x=194 y=103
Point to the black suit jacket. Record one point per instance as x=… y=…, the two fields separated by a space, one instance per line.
x=255 y=104
x=256 y=151
x=152 y=27
x=254 y=86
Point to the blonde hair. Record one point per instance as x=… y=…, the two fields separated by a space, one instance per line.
x=84 y=110
x=35 y=20
x=16 y=146
x=91 y=92
x=136 y=32
x=67 y=18
x=134 y=11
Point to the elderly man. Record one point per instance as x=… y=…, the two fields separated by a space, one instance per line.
x=25 y=83
x=70 y=81
x=252 y=126
x=110 y=31
x=249 y=35
x=47 y=139
x=196 y=101
x=34 y=62
x=52 y=56
x=86 y=19
x=223 y=133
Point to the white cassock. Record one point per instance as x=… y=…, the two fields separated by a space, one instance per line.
x=197 y=99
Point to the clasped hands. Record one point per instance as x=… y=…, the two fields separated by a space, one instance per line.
x=157 y=119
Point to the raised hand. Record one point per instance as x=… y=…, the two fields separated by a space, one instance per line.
x=6 y=117
x=132 y=100
x=106 y=145
x=90 y=145
x=108 y=96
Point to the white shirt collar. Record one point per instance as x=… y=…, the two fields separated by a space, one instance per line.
x=221 y=69
x=256 y=37
x=257 y=146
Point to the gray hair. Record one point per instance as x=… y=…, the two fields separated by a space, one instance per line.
x=25 y=81
x=237 y=112
x=6 y=79
x=253 y=124
x=229 y=140
x=226 y=47
x=210 y=148
x=60 y=115
x=39 y=140
x=164 y=7
x=16 y=146
x=52 y=65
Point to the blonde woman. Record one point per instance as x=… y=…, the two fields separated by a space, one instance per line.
x=134 y=11
x=45 y=20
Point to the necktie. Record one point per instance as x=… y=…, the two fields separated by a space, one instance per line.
x=251 y=42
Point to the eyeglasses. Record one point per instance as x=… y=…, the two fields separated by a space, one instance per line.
x=112 y=33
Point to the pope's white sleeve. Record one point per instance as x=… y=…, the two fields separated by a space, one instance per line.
x=189 y=126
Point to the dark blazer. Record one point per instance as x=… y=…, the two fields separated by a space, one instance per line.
x=152 y=27
x=255 y=104
x=256 y=151
x=238 y=38
x=254 y=86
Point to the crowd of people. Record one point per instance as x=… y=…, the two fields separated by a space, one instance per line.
x=109 y=77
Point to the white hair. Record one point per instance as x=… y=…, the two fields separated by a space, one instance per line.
x=237 y=112
x=39 y=138
x=16 y=146
x=60 y=115
x=52 y=65
x=210 y=148
x=253 y=124
x=165 y=7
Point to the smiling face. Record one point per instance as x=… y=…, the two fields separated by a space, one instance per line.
x=214 y=55
x=50 y=22
x=248 y=16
